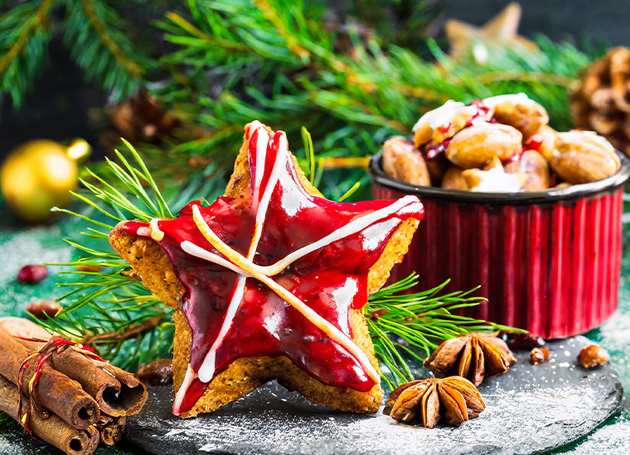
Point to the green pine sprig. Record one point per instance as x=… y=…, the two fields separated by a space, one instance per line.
x=108 y=308
x=288 y=65
x=24 y=37
x=95 y=34
x=410 y=326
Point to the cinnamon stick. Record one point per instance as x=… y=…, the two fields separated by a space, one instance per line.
x=117 y=392
x=55 y=391
x=52 y=429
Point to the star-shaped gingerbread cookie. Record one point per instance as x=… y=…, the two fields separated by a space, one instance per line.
x=269 y=282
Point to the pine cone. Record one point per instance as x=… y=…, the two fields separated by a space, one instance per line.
x=600 y=100
x=139 y=118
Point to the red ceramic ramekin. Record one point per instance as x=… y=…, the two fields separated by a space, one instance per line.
x=548 y=261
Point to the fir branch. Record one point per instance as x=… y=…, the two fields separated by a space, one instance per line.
x=90 y=8
x=93 y=33
x=24 y=40
x=281 y=66
x=283 y=29
x=407 y=326
x=110 y=310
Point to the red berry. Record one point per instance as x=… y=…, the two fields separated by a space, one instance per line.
x=32 y=274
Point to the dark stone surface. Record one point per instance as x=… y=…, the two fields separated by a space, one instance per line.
x=529 y=410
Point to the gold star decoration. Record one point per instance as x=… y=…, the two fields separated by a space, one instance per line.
x=499 y=32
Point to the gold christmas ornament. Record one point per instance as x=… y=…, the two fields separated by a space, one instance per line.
x=38 y=175
x=499 y=32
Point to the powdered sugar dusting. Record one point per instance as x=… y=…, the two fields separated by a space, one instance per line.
x=532 y=408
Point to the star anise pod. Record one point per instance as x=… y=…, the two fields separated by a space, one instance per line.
x=473 y=356
x=427 y=400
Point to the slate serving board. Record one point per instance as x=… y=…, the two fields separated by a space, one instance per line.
x=531 y=409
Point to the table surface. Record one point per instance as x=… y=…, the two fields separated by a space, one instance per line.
x=21 y=245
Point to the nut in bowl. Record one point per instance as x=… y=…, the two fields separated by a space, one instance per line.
x=531 y=214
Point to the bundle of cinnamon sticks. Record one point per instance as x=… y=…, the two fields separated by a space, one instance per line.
x=65 y=397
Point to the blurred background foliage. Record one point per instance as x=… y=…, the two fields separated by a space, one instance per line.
x=182 y=78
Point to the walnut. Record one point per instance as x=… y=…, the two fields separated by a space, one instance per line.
x=426 y=400
x=474 y=356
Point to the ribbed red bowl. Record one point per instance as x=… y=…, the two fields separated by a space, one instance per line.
x=548 y=261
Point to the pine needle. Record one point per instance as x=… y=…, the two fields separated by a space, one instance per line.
x=410 y=326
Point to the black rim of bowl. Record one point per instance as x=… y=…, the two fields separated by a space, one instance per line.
x=526 y=197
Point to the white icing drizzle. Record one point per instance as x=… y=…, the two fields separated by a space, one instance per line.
x=208 y=366
x=513 y=98
x=261 y=144
x=498 y=181
x=201 y=253
x=144 y=231
x=333 y=332
x=207 y=369
x=349 y=229
x=181 y=392
x=261 y=214
x=440 y=116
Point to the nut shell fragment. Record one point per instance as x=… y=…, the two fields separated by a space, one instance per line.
x=538 y=356
x=593 y=356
